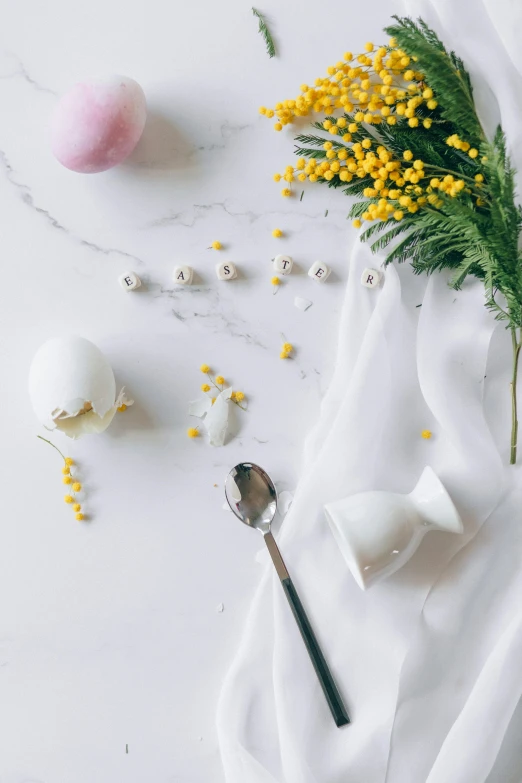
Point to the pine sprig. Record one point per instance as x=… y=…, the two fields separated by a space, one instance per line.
x=265 y=32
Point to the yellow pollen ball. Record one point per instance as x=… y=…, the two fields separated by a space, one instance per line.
x=426 y=434
x=205 y=387
x=356 y=223
x=67 y=480
x=69 y=461
x=216 y=245
x=205 y=368
x=277 y=233
x=275 y=281
x=192 y=432
x=68 y=499
x=80 y=516
x=76 y=487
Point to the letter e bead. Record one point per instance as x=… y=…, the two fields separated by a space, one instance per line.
x=319 y=271
x=129 y=281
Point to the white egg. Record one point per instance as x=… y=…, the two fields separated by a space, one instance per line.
x=72 y=387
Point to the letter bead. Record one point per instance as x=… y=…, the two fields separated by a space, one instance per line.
x=183 y=275
x=129 y=281
x=283 y=264
x=226 y=270
x=319 y=271
x=371 y=278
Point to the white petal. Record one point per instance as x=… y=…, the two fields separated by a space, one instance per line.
x=200 y=407
x=122 y=399
x=284 y=501
x=302 y=304
x=216 y=421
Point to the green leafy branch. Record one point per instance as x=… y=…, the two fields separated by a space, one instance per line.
x=265 y=32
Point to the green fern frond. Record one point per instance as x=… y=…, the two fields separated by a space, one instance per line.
x=265 y=32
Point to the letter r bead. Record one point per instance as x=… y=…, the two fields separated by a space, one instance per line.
x=370 y=278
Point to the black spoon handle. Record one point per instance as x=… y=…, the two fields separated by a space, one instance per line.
x=324 y=674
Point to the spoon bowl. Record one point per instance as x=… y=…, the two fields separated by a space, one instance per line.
x=252 y=496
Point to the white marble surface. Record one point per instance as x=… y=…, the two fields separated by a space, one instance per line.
x=109 y=631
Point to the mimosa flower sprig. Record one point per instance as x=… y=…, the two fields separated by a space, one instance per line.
x=218 y=382
x=70 y=480
x=404 y=135
x=215 y=409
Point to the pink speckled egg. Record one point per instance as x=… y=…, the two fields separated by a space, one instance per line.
x=97 y=123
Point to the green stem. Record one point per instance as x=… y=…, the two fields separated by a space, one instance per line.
x=52 y=444
x=449 y=171
x=514 y=416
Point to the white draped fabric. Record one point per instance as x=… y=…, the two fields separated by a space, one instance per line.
x=430 y=660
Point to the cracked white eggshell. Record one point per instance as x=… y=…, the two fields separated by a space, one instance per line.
x=66 y=373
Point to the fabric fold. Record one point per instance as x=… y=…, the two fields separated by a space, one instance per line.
x=423 y=658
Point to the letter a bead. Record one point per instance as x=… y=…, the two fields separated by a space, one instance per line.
x=183 y=275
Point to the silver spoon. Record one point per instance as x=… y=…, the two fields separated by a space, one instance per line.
x=251 y=495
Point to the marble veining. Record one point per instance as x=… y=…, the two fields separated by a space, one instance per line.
x=110 y=635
